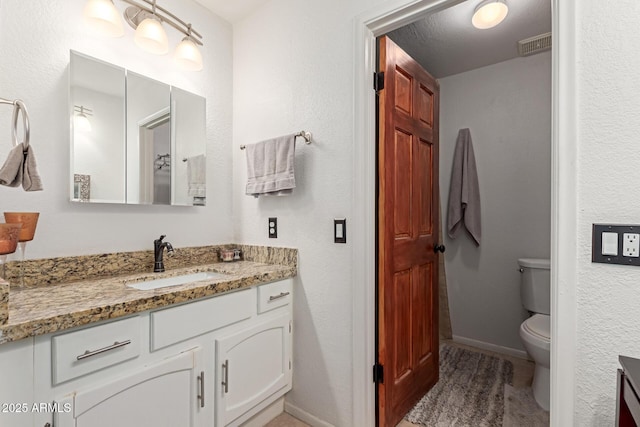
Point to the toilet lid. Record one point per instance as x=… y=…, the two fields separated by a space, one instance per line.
x=540 y=325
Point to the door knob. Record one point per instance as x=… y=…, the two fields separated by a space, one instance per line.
x=438 y=248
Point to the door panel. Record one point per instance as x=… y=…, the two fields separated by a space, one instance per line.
x=254 y=363
x=407 y=217
x=164 y=394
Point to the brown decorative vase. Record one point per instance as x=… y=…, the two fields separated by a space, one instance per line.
x=29 y=222
x=9 y=236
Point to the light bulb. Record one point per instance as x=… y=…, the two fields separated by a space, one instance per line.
x=103 y=17
x=489 y=14
x=82 y=123
x=150 y=36
x=188 y=55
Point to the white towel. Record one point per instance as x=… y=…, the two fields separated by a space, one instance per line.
x=20 y=168
x=196 y=176
x=270 y=167
x=464 y=193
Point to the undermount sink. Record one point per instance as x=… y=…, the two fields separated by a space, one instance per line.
x=175 y=280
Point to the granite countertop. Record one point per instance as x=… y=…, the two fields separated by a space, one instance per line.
x=41 y=310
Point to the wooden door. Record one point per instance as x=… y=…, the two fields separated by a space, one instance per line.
x=407 y=233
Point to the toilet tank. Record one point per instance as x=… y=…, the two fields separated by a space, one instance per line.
x=535 y=285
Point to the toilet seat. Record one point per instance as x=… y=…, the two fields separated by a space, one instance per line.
x=538 y=325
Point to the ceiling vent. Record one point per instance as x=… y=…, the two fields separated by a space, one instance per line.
x=534 y=45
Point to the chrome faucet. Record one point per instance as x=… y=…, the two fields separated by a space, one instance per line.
x=158 y=250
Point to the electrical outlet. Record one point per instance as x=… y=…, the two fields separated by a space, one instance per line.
x=631 y=245
x=273 y=228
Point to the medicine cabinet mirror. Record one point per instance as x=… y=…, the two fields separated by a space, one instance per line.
x=135 y=140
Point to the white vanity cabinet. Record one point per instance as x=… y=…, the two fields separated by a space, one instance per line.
x=168 y=393
x=212 y=362
x=16 y=384
x=254 y=364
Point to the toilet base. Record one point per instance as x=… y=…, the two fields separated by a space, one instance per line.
x=541 y=386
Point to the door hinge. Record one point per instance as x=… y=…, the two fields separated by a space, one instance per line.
x=378 y=373
x=289 y=326
x=378 y=81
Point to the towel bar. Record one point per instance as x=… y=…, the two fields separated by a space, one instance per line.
x=304 y=134
x=18 y=108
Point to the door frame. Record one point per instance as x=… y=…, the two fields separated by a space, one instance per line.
x=386 y=18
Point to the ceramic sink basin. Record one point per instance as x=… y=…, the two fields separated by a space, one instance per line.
x=175 y=280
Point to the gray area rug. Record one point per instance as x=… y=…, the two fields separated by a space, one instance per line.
x=470 y=391
x=521 y=409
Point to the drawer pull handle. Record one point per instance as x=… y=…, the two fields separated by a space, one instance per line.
x=115 y=345
x=201 y=394
x=225 y=381
x=275 y=297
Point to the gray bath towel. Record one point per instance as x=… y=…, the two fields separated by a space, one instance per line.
x=20 y=168
x=464 y=193
x=196 y=176
x=270 y=167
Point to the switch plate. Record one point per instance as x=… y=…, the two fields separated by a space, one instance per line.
x=340 y=230
x=616 y=244
x=273 y=228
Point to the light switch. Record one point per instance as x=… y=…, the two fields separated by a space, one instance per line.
x=610 y=244
x=340 y=230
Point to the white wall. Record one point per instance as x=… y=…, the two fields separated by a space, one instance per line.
x=292 y=71
x=35 y=38
x=100 y=151
x=607 y=192
x=507 y=107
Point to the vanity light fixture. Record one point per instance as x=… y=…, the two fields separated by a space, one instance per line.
x=489 y=13
x=188 y=55
x=147 y=18
x=104 y=17
x=80 y=119
x=150 y=35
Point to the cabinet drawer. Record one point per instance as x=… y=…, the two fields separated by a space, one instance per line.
x=274 y=295
x=172 y=325
x=88 y=350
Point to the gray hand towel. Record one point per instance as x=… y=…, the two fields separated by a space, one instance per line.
x=464 y=193
x=20 y=168
x=196 y=176
x=270 y=166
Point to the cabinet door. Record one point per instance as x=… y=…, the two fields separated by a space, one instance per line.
x=16 y=384
x=166 y=394
x=253 y=365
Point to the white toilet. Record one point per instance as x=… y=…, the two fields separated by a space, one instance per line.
x=535 y=332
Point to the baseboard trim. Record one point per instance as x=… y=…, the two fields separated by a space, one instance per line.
x=267 y=414
x=491 y=347
x=303 y=415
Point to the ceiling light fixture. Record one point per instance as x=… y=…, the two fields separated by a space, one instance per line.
x=80 y=119
x=146 y=17
x=489 y=13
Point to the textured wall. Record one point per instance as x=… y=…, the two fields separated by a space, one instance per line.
x=507 y=107
x=292 y=71
x=608 y=158
x=35 y=38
